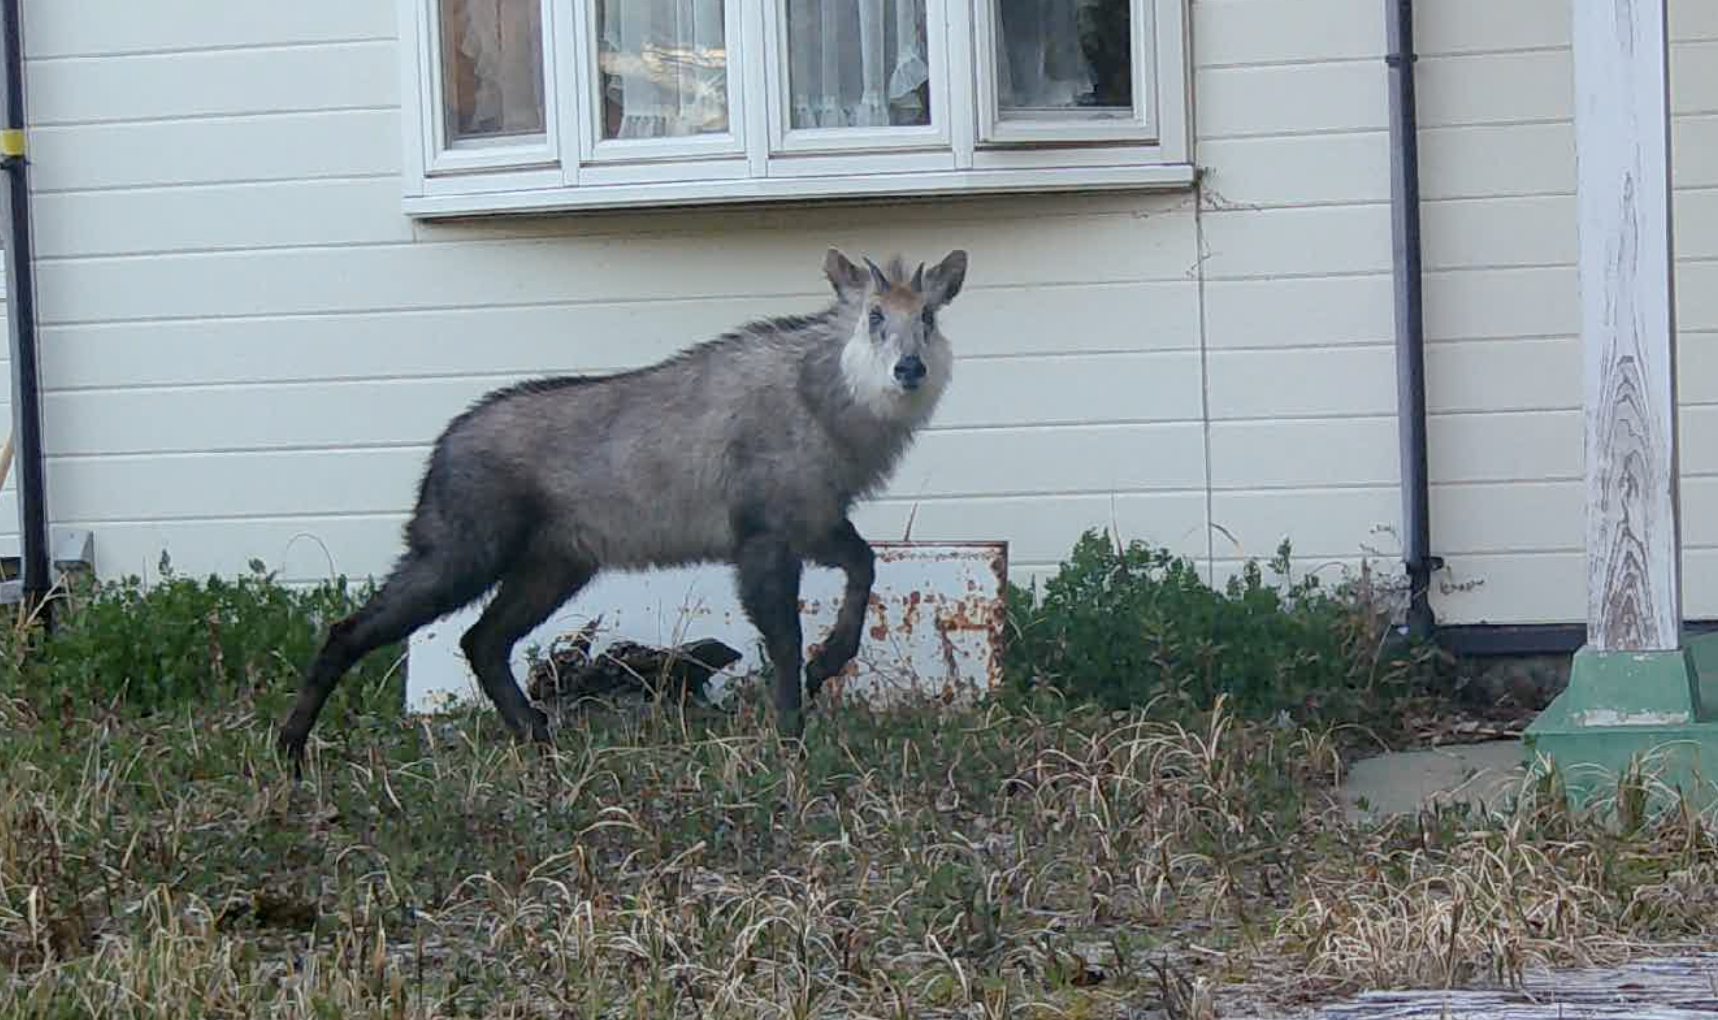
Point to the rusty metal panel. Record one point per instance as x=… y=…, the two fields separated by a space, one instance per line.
x=934 y=626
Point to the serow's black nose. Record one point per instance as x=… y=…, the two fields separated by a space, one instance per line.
x=910 y=370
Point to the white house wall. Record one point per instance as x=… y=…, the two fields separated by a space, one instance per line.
x=1504 y=358
x=247 y=348
x=1304 y=439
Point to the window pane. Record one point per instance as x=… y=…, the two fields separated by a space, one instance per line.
x=492 y=67
x=857 y=63
x=1057 y=58
x=664 y=67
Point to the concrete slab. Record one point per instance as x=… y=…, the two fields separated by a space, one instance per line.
x=1403 y=783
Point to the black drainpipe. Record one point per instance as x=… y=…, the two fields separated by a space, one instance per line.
x=21 y=318
x=1410 y=325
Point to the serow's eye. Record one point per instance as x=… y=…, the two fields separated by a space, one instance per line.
x=876 y=318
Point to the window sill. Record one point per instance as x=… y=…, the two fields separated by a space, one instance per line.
x=472 y=202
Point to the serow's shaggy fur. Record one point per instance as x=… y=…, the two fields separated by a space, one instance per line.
x=748 y=449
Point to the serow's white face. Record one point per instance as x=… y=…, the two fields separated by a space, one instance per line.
x=897 y=362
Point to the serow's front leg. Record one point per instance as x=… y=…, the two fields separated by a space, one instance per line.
x=769 y=591
x=846 y=549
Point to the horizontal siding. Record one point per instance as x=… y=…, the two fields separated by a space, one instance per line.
x=1490 y=519
x=1299 y=312
x=175 y=86
x=1481 y=375
x=1504 y=446
x=549 y=339
x=1499 y=232
x=1693 y=19
x=116 y=27
x=1694 y=86
x=1501 y=304
x=1246 y=33
x=1696 y=296
x=1331 y=382
x=382 y=479
x=1497 y=161
x=307 y=548
x=1273 y=243
x=1512 y=588
x=239 y=217
x=1694 y=140
x=1041 y=530
x=682 y=267
x=1295 y=245
x=1291 y=454
x=1294 y=170
x=1698 y=458
x=1318 y=523
x=1101 y=389
x=1696 y=224
x=1485 y=26
x=1281 y=100
x=217 y=150
x=1697 y=368
x=1493 y=88
x=1295 y=242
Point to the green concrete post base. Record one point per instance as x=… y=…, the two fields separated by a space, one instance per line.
x=1621 y=707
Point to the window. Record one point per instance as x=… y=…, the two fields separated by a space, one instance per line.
x=517 y=105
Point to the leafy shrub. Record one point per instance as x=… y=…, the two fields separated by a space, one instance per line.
x=1122 y=627
x=186 y=641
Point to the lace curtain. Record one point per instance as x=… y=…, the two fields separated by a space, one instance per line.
x=857 y=63
x=665 y=67
x=852 y=63
x=494 y=66
x=1040 y=61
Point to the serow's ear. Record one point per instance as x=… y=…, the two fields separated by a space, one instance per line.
x=878 y=280
x=847 y=278
x=943 y=280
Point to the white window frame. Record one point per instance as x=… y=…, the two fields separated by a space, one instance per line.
x=787 y=142
x=1141 y=128
x=701 y=157
x=967 y=149
x=442 y=157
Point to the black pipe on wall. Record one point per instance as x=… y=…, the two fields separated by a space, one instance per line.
x=1410 y=324
x=21 y=314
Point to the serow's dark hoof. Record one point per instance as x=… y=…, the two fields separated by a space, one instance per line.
x=290 y=743
x=536 y=729
x=791 y=726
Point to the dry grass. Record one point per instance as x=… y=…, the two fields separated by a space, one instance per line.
x=664 y=863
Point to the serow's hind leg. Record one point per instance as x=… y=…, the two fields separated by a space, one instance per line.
x=847 y=549
x=419 y=590
x=529 y=593
x=769 y=591
x=416 y=591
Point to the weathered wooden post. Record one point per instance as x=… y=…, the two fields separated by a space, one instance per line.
x=1634 y=686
